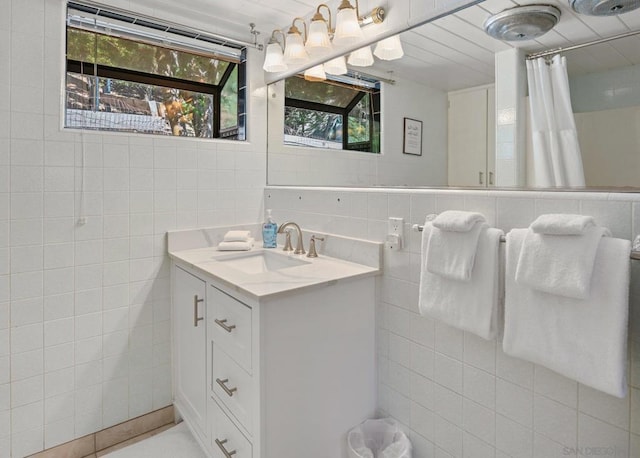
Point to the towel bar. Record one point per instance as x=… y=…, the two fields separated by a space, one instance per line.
x=635 y=255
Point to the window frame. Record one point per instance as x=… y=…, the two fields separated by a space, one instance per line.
x=238 y=132
x=374 y=113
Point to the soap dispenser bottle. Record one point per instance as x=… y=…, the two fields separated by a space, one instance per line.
x=269 y=232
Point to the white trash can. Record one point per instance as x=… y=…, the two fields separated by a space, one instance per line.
x=378 y=439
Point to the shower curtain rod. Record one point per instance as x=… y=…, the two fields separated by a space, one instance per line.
x=551 y=52
x=634 y=255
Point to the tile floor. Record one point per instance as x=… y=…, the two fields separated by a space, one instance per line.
x=174 y=442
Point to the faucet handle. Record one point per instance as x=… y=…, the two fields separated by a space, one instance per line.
x=287 y=241
x=312 y=246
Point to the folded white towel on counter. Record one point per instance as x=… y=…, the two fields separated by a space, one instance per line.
x=237 y=236
x=562 y=224
x=471 y=305
x=236 y=246
x=457 y=221
x=559 y=264
x=585 y=340
x=452 y=254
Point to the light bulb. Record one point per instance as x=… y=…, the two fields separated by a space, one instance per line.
x=389 y=48
x=337 y=66
x=274 y=59
x=348 y=29
x=316 y=73
x=318 y=43
x=294 y=52
x=361 y=57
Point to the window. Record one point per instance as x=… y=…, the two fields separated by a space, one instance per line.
x=333 y=114
x=131 y=75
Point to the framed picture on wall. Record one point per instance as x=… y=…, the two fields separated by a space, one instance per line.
x=412 y=140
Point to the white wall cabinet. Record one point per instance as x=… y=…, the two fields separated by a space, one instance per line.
x=189 y=348
x=471 y=127
x=286 y=375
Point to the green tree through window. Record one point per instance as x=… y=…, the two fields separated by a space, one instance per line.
x=331 y=115
x=118 y=83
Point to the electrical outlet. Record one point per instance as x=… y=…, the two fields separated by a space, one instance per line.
x=395 y=234
x=396 y=226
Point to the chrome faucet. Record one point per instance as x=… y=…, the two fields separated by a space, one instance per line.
x=299 y=243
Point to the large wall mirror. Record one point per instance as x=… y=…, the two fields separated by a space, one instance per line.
x=468 y=93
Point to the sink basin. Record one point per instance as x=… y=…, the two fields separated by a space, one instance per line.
x=260 y=262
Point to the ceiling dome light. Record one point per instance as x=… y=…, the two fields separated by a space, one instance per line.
x=522 y=22
x=389 y=48
x=361 y=57
x=337 y=66
x=318 y=41
x=348 y=29
x=603 y=7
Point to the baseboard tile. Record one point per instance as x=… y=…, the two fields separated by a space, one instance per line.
x=114 y=437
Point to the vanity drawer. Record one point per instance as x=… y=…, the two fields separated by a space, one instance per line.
x=232 y=385
x=231 y=326
x=227 y=440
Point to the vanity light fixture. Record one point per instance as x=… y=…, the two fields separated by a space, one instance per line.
x=316 y=73
x=294 y=51
x=318 y=41
x=274 y=59
x=389 y=48
x=337 y=66
x=361 y=57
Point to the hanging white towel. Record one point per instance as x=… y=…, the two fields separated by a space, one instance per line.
x=562 y=224
x=559 y=264
x=452 y=254
x=457 y=221
x=236 y=246
x=582 y=339
x=471 y=305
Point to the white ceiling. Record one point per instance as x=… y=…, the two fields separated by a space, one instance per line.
x=451 y=53
x=454 y=52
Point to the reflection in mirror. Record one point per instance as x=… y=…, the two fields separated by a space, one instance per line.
x=469 y=90
x=605 y=93
x=338 y=113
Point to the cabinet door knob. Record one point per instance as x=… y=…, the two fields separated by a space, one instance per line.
x=220 y=444
x=481 y=177
x=491 y=178
x=223 y=385
x=196 y=301
x=223 y=325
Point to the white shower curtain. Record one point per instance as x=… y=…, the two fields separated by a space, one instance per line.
x=556 y=152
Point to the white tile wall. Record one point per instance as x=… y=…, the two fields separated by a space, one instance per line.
x=84 y=309
x=606 y=90
x=457 y=394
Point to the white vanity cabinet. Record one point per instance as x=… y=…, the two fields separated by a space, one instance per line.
x=189 y=348
x=288 y=374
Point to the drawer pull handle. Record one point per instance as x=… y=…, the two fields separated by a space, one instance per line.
x=227 y=390
x=196 y=301
x=220 y=444
x=223 y=325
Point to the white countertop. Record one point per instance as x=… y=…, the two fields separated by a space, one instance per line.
x=320 y=271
